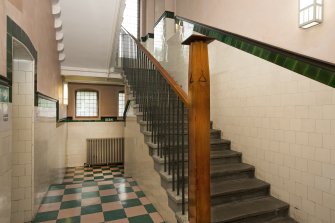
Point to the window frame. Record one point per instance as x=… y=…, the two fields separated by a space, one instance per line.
x=75 y=102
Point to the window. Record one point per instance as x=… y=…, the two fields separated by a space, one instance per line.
x=121 y=103
x=86 y=103
x=131 y=17
x=131 y=23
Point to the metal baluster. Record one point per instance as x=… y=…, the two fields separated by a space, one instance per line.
x=178 y=144
x=169 y=130
x=183 y=160
x=165 y=125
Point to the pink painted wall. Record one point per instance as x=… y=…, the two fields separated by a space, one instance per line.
x=35 y=18
x=270 y=21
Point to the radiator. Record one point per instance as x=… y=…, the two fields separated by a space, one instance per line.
x=105 y=151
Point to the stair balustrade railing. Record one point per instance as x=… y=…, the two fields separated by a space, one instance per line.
x=164 y=107
x=177 y=122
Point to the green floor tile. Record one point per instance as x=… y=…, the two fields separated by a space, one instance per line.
x=90 y=194
x=69 y=220
x=107 y=174
x=88 y=175
x=89 y=183
x=91 y=209
x=150 y=208
x=118 y=175
x=115 y=215
x=131 y=203
x=106 y=187
x=57 y=187
x=99 y=177
x=111 y=198
x=70 y=204
x=133 y=183
x=78 y=179
x=119 y=180
x=52 y=199
x=140 y=219
x=72 y=191
x=46 y=216
x=125 y=190
x=140 y=194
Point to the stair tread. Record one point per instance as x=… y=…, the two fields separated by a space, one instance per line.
x=214 y=155
x=220 y=169
x=230 y=187
x=230 y=168
x=248 y=208
x=236 y=186
x=218 y=141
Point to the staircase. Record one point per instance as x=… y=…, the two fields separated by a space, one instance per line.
x=236 y=195
x=162 y=111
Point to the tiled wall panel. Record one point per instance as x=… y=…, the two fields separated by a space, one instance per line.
x=284 y=124
x=23 y=108
x=5 y=160
x=49 y=149
x=137 y=155
x=78 y=132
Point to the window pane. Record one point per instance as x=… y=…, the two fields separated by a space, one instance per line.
x=121 y=103
x=130 y=17
x=86 y=104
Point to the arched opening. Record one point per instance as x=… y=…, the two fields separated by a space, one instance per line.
x=23 y=133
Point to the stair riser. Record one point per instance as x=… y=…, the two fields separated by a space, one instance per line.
x=215 y=147
x=167 y=184
x=261 y=218
x=234 y=176
x=235 y=159
x=220 y=146
x=250 y=194
x=215 y=135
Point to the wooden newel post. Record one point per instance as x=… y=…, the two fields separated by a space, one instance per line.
x=199 y=202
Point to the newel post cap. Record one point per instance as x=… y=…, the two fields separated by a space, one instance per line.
x=197 y=38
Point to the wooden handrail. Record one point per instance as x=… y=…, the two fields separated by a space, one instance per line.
x=176 y=88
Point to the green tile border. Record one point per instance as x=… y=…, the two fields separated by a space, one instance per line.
x=4 y=89
x=146 y=37
x=102 y=119
x=166 y=14
x=15 y=31
x=321 y=71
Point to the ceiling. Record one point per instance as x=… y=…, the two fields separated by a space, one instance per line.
x=90 y=29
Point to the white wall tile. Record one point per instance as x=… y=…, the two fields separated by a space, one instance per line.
x=295 y=121
x=80 y=131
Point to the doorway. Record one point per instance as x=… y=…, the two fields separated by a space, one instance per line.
x=23 y=133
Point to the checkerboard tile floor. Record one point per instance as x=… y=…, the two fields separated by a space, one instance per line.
x=95 y=195
x=96 y=173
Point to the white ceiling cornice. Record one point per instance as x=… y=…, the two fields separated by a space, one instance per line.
x=58 y=25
